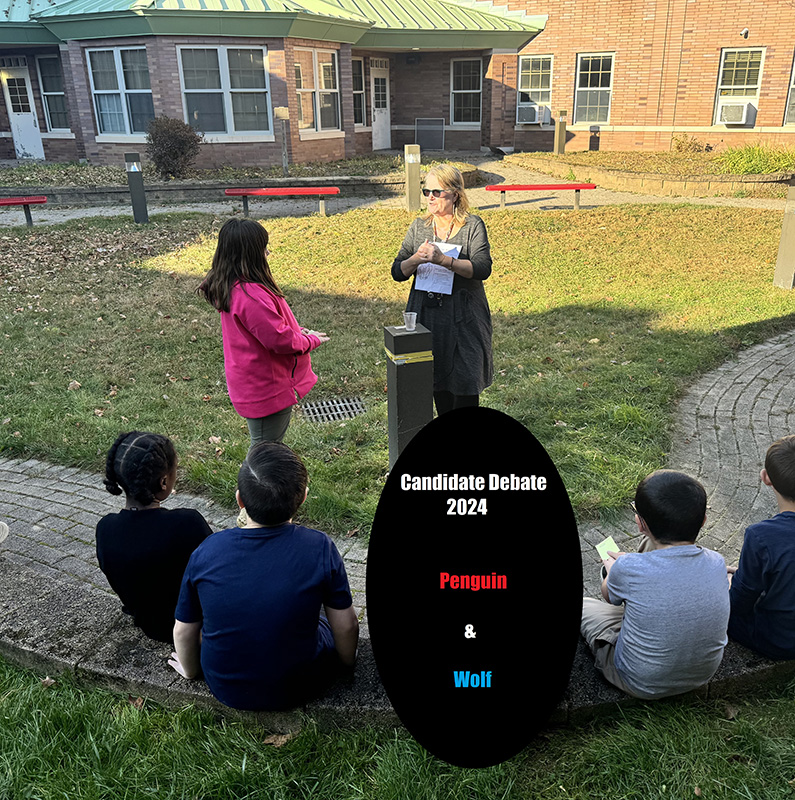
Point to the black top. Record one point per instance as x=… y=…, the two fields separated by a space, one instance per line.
x=143 y=555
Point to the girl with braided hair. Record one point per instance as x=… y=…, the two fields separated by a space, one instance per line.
x=143 y=550
x=266 y=352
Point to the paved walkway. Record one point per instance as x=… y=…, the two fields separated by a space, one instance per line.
x=494 y=170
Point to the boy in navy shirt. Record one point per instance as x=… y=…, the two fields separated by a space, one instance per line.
x=248 y=613
x=763 y=587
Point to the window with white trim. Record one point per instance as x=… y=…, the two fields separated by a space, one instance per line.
x=738 y=86
x=225 y=89
x=359 y=101
x=466 y=81
x=52 y=93
x=789 y=116
x=121 y=89
x=594 y=87
x=317 y=87
x=535 y=89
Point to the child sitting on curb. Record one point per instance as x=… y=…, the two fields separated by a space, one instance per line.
x=663 y=628
x=143 y=550
x=249 y=611
x=763 y=587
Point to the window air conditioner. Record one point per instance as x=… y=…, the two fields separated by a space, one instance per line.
x=733 y=113
x=533 y=115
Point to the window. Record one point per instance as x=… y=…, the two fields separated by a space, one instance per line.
x=789 y=117
x=535 y=81
x=465 y=80
x=359 y=111
x=51 y=82
x=318 y=90
x=121 y=89
x=593 y=88
x=225 y=89
x=738 y=87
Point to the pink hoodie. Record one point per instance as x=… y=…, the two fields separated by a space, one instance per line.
x=266 y=357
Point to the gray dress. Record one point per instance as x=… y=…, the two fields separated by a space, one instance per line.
x=460 y=323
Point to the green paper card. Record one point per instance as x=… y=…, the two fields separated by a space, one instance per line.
x=603 y=547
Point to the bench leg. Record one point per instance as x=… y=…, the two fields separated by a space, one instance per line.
x=28 y=218
x=322 y=206
x=502 y=201
x=245 y=205
x=576 y=199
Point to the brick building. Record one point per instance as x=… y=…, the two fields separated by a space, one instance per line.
x=82 y=78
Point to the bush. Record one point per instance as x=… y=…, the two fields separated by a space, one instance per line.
x=172 y=146
x=757 y=159
x=683 y=143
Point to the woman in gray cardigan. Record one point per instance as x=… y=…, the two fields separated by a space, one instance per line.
x=459 y=320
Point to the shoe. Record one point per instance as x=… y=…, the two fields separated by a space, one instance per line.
x=3 y=531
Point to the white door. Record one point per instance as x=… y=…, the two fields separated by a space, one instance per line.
x=22 y=113
x=379 y=86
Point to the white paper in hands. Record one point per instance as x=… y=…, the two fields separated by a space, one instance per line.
x=435 y=277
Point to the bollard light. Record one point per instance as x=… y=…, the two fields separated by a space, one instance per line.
x=135 y=181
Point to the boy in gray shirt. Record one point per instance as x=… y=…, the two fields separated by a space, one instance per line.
x=663 y=628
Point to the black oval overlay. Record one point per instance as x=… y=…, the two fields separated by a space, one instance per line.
x=525 y=634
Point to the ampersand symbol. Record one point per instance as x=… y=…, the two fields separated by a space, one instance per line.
x=469 y=632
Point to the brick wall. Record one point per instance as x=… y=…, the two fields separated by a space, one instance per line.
x=666 y=64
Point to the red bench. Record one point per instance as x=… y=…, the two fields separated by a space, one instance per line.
x=26 y=203
x=282 y=191
x=502 y=188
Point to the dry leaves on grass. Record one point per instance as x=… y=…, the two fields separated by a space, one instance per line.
x=279 y=739
x=47 y=682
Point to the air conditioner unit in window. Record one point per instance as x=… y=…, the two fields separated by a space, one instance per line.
x=733 y=113
x=533 y=115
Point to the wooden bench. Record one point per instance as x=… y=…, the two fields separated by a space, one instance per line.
x=26 y=203
x=283 y=191
x=502 y=188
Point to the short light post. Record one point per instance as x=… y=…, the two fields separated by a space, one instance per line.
x=282 y=113
x=409 y=380
x=559 y=147
x=412 y=157
x=135 y=180
x=784 y=276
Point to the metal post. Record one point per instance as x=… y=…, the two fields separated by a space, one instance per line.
x=409 y=379
x=135 y=180
x=784 y=276
x=322 y=205
x=28 y=217
x=412 y=157
x=576 y=199
x=559 y=147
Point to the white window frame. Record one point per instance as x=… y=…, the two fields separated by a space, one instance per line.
x=361 y=92
x=316 y=90
x=609 y=90
x=454 y=92
x=46 y=95
x=751 y=98
x=540 y=115
x=226 y=91
x=790 y=99
x=121 y=89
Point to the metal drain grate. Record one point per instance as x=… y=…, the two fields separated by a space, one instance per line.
x=331 y=410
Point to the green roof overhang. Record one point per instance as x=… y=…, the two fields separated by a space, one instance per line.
x=201 y=23
x=378 y=38
x=26 y=33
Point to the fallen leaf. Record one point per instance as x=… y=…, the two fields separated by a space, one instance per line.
x=279 y=739
x=731 y=711
x=697 y=792
x=99 y=412
x=593 y=341
x=73 y=386
x=135 y=702
x=215 y=440
x=47 y=682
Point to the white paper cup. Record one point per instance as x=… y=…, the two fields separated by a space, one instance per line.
x=410 y=320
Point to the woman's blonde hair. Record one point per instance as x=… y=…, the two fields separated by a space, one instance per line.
x=451 y=180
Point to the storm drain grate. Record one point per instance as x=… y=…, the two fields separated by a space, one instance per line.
x=332 y=410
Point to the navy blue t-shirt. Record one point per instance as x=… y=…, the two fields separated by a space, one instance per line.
x=258 y=593
x=763 y=588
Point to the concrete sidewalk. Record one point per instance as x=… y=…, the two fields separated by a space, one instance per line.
x=58 y=613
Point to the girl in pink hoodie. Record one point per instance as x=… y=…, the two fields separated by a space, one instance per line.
x=266 y=352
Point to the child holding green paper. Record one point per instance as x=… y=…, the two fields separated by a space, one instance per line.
x=662 y=629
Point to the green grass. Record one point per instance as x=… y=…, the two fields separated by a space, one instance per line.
x=63 y=742
x=600 y=320
x=756 y=159
x=77 y=175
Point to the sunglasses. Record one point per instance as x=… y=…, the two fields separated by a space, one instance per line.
x=434 y=192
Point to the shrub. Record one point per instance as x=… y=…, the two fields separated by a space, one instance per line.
x=172 y=146
x=682 y=143
x=757 y=159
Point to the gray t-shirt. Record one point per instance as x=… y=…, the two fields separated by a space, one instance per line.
x=676 y=610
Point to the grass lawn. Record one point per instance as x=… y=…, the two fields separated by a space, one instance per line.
x=600 y=320
x=59 y=742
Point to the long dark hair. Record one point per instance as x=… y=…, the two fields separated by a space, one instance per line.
x=239 y=257
x=136 y=463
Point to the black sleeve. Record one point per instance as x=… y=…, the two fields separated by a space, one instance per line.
x=480 y=251
x=406 y=250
